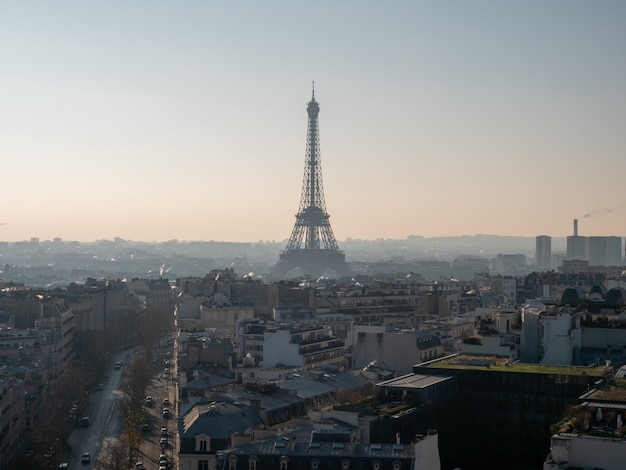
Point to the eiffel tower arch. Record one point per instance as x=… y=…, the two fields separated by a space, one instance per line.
x=312 y=249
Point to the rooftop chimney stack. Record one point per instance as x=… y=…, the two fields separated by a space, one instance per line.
x=575 y=227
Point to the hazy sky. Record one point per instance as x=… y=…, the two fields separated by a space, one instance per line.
x=158 y=120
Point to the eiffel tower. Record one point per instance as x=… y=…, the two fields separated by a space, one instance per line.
x=312 y=246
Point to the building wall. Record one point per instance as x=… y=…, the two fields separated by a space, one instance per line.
x=191 y=462
x=491 y=345
x=278 y=350
x=603 y=338
x=561 y=336
x=586 y=452
x=12 y=423
x=394 y=351
x=427 y=453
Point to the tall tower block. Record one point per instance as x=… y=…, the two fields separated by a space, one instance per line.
x=543 y=252
x=312 y=248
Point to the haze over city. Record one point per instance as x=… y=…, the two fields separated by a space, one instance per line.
x=167 y=120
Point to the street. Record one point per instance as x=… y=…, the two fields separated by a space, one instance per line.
x=102 y=423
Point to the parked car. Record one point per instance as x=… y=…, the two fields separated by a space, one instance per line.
x=166 y=413
x=163 y=441
x=86 y=458
x=164 y=433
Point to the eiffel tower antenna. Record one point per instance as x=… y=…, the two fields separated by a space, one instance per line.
x=312 y=246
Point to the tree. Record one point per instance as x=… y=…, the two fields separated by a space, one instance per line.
x=113 y=456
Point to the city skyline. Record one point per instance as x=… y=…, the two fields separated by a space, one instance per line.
x=155 y=121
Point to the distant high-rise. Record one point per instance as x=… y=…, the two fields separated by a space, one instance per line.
x=312 y=246
x=576 y=248
x=597 y=251
x=604 y=251
x=543 y=252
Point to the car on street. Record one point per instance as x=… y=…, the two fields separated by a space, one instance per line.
x=163 y=442
x=86 y=458
x=164 y=432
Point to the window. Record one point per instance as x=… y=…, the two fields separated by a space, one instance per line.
x=252 y=464
x=203 y=446
x=232 y=463
x=203 y=465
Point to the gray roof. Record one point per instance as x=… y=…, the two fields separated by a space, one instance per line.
x=217 y=420
x=208 y=381
x=269 y=401
x=307 y=386
x=415 y=381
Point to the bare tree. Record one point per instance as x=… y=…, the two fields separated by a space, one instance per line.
x=113 y=456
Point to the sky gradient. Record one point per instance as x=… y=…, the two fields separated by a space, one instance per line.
x=159 y=120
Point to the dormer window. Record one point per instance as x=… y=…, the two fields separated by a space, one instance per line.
x=283 y=462
x=203 y=443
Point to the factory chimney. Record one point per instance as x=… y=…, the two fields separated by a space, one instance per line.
x=575 y=227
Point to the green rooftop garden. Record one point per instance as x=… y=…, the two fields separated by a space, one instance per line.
x=506 y=365
x=614 y=391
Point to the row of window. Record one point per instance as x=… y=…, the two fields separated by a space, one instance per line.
x=314 y=464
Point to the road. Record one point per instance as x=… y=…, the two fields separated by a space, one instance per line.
x=102 y=406
x=105 y=426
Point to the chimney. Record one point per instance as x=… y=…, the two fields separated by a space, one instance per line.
x=398 y=438
x=575 y=227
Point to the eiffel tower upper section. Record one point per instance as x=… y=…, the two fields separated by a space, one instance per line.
x=312 y=246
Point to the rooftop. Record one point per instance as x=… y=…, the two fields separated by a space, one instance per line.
x=500 y=364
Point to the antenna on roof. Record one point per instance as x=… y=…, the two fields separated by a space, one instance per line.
x=313 y=99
